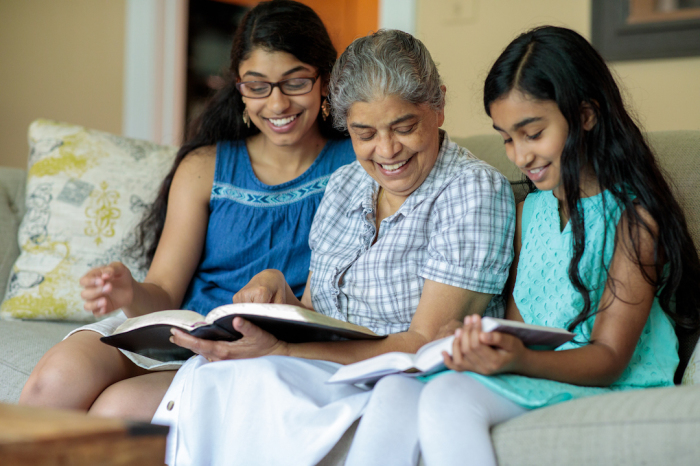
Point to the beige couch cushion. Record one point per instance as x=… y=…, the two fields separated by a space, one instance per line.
x=23 y=344
x=654 y=426
x=679 y=153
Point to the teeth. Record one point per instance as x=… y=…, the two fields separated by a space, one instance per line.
x=536 y=170
x=395 y=166
x=282 y=121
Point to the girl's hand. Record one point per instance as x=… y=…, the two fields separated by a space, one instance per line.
x=485 y=353
x=255 y=343
x=108 y=288
x=269 y=286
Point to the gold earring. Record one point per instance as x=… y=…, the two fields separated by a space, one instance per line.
x=325 y=109
x=246 y=118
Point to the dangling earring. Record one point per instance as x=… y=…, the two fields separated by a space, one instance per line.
x=246 y=118
x=325 y=109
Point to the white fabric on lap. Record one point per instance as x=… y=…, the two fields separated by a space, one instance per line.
x=388 y=432
x=279 y=407
x=109 y=325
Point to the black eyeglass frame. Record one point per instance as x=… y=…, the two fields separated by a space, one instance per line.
x=278 y=84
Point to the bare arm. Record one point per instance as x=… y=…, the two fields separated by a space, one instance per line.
x=614 y=336
x=177 y=255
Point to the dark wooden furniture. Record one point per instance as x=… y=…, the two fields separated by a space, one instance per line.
x=43 y=437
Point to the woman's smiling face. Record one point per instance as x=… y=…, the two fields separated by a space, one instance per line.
x=396 y=142
x=285 y=120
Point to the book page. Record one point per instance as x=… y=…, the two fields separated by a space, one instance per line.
x=374 y=368
x=176 y=318
x=429 y=356
x=531 y=335
x=284 y=312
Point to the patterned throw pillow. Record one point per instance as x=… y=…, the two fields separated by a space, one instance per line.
x=86 y=191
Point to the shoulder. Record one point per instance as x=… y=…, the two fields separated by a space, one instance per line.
x=639 y=231
x=345 y=191
x=201 y=158
x=468 y=179
x=459 y=165
x=196 y=171
x=339 y=152
x=347 y=178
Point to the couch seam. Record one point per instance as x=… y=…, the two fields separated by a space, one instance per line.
x=15 y=368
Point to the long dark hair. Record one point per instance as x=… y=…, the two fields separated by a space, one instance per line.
x=557 y=64
x=275 y=26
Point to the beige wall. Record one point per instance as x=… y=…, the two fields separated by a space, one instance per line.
x=62 y=60
x=466 y=36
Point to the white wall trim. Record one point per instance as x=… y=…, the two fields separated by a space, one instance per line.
x=155 y=64
x=398 y=14
x=154 y=70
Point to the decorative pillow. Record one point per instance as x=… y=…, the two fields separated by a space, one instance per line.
x=86 y=191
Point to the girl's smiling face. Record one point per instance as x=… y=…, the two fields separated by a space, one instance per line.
x=534 y=132
x=284 y=120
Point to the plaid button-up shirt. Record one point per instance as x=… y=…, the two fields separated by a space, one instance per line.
x=456 y=228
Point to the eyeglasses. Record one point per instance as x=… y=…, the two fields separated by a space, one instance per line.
x=262 y=89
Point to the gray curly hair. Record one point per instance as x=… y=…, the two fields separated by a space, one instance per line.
x=387 y=62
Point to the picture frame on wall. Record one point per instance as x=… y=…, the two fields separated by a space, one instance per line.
x=645 y=29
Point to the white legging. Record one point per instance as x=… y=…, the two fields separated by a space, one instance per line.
x=450 y=418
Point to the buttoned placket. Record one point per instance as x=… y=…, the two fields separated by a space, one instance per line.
x=365 y=242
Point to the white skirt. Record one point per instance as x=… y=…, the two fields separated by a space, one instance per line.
x=269 y=410
x=107 y=327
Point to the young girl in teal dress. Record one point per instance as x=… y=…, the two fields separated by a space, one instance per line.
x=602 y=249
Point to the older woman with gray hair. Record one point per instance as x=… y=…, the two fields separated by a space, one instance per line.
x=408 y=240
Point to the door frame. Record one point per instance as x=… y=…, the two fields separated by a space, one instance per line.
x=155 y=64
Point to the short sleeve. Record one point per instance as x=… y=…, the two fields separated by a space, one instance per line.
x=471 y=245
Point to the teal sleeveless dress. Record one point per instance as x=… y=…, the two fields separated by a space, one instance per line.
x=545 y=296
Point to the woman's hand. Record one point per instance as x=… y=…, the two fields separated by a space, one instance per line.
x=108 y=288
x=485 y=353
x=270 y=286
x=254 y=343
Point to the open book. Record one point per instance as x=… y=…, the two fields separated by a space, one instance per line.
x=149 y=334
x=428 y=359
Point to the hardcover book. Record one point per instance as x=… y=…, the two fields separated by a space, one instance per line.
x=428 y=359
x=149 y=334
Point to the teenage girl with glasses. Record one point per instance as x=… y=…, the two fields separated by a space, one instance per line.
x=239 y=199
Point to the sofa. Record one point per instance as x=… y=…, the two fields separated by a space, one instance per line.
x=647 y=427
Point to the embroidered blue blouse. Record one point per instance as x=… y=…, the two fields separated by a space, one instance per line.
x=254 y=226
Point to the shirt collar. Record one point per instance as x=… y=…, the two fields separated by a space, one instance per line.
x=364 y=195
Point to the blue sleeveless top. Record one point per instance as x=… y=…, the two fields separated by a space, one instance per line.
x=254 y=226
